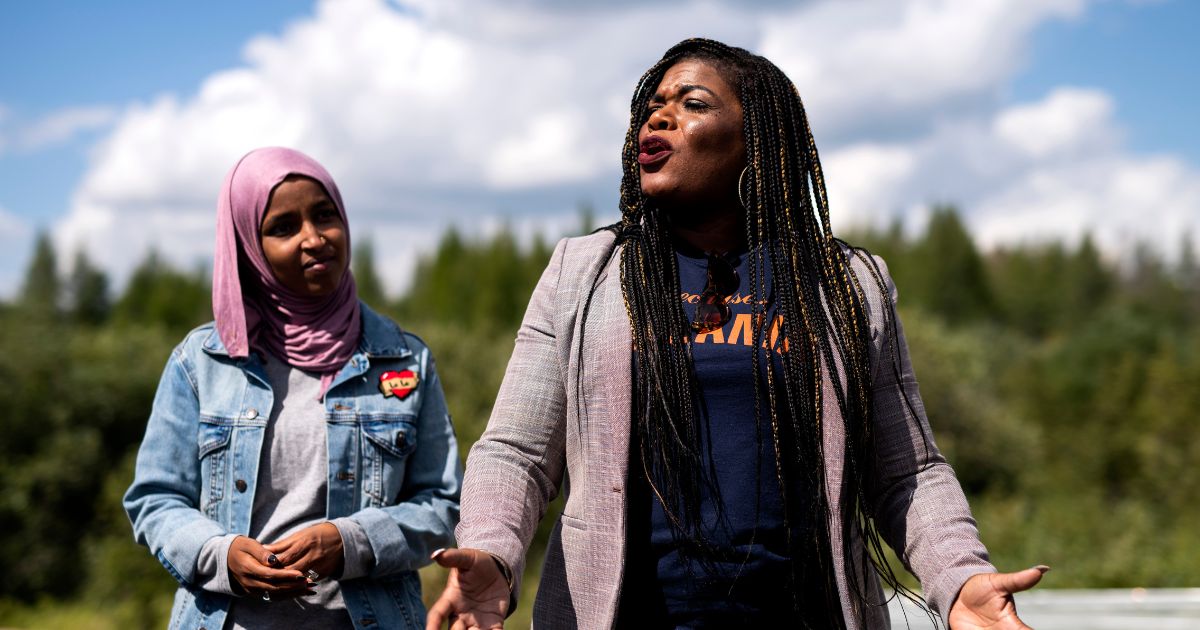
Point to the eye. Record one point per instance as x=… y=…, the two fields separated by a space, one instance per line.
x=279 y=228
x=695 y=104
x=327 y=214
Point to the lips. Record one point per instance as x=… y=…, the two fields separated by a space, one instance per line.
x=653 y=150
x=318 y=264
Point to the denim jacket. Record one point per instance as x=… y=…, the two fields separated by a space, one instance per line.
x=393 y=467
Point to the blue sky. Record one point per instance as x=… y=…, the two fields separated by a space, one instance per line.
x=118 y=119
x=1143 y=54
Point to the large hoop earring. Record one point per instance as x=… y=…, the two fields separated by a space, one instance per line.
x=743 y=192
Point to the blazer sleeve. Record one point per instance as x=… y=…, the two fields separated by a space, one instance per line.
x=515 y=468
x=919 y=506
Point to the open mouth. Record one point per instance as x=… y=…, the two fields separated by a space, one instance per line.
x=653 y=149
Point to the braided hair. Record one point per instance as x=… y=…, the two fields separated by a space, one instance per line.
x=824 y=320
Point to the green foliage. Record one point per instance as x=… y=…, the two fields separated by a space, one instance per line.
x=42 y=288
x=370 y=289
x=87 y=290
x=972 y=416
x=483 y=286
x=1043 y=289
x=75 y=401
x=952 y=281
x=160 y=295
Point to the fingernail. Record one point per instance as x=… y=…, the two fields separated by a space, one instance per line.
x=1043 y=568
x=436 y=553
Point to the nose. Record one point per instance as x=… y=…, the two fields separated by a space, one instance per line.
x=312 y=238
x=660 y=119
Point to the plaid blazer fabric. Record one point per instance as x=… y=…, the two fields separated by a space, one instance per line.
x=562 y=418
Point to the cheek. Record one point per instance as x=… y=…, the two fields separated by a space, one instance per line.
x=712 y=137
x=278 y=257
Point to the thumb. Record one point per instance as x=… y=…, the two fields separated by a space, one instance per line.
x=461 y=559
x=1020 y=580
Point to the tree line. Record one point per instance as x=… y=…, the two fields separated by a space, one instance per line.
x=1060 y=384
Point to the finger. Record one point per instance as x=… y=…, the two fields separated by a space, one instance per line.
x=256 y=585
x=1020 y=580
x=250 y=548
x=292 y=593
x=292 y=552
x=438 y=614
x=281 y=545
x=462 y=559
x=267 y=574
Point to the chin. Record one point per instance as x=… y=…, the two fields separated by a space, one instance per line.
x=321 y=290
x=657 y=192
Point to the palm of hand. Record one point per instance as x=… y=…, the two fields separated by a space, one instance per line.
x=482 y=598
x=986 y=603
x=476 y=596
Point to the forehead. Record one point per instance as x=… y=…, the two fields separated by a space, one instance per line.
x=298 y=187
x=697 y=72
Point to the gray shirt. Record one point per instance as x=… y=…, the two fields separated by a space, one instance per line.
x=289 y=496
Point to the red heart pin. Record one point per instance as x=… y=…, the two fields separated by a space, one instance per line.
x=399 y=384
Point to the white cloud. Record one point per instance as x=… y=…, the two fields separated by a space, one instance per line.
x=1068 y=122
x=433 y=113
x=864 y=179
x=1034 y=172
x=52 y=129
x=1120 y=199
x=862 y=64
x=418 y=116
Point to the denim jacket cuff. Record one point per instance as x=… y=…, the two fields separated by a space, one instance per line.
x=358 y=556
x=212 y=568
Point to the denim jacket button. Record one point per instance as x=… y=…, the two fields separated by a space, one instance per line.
x=401 y=440
x=345 y=476
x=251 y=413
x=240 y=484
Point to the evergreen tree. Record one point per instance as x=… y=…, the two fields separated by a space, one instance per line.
x=41 y=291
x=87 y=290
x=370 y=289
x=949 y=275
x=1189 y=274
x=1086 y=285
x=439 y=283
x=159 y=295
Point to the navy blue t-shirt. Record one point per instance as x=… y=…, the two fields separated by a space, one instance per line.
x=750 y=584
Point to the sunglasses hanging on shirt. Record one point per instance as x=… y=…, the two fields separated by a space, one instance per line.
x=712 y=311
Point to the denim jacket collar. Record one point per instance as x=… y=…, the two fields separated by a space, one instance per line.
x=381 y=338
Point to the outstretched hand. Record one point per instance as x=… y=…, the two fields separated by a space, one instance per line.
x=476 y=593
x=986 y=600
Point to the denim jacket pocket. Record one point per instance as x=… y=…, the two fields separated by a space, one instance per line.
x=213 y=436
x=390 y=439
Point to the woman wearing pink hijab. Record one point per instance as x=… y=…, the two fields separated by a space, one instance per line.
x=299 y=463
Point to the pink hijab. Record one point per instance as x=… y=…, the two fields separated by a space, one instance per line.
x=253 y=309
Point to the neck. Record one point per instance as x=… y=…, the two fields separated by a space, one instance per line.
x=717 y=231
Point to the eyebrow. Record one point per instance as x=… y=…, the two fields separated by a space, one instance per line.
x=684 y=88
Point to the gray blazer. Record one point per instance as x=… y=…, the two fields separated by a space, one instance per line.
x=555 y=423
